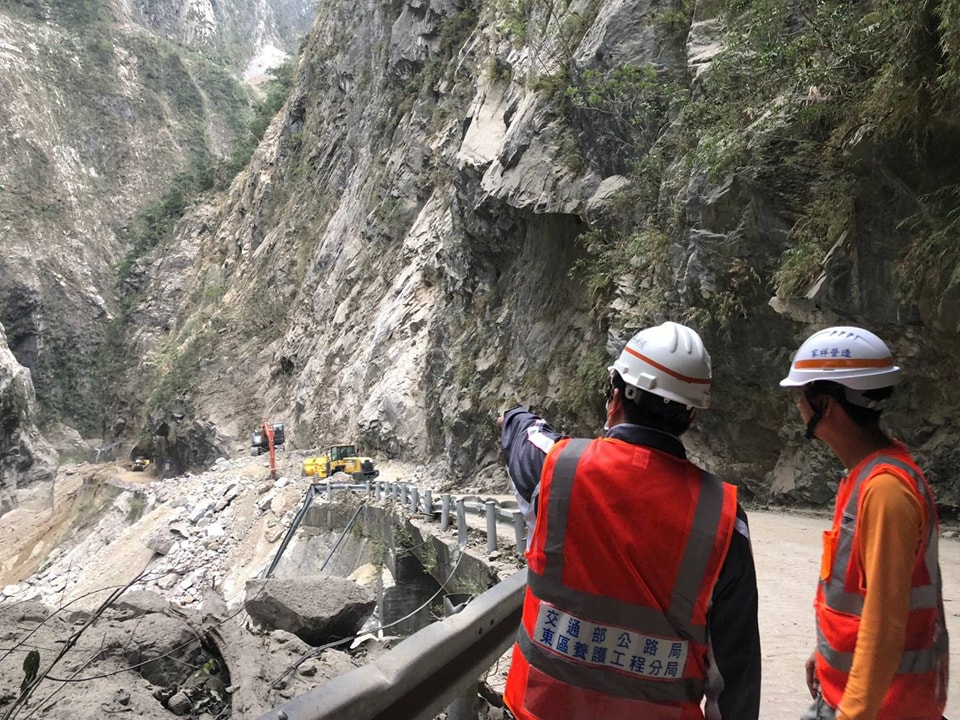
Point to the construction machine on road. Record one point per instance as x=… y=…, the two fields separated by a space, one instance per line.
x=340 y=458
x=266 y=439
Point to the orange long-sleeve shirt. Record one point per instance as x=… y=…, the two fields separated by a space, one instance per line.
x=892 y=526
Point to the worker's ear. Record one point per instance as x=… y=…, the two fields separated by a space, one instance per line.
x=615 y=403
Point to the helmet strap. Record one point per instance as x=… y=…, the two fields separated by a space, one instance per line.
x=816 y=404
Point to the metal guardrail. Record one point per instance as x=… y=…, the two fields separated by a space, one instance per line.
x=418 y=503
x=438 y=664
x=425 y=672
x=422 y=503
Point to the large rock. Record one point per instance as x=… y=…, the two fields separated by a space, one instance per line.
x=315 y=609
x=239 y=32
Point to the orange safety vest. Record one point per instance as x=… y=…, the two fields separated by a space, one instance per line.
x=628 y=546
x=919 y=687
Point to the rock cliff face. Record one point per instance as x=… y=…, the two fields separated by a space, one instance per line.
x=468 y=204
x=99 y=117
x=241 y=33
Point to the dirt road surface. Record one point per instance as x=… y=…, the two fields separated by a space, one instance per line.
x=787 y=554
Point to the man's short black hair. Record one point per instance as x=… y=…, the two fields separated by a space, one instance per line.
x=652 y=410
x=862 y=416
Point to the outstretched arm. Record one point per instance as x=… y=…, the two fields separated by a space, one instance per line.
x=526 y=440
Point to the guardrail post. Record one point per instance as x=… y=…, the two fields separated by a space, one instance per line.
x=444 y=512
x=427 y=505
x=491 y=526
x=461 y=523
x=467 y=706
x=520 y=529
x=414 y=500
x=396 y=492
x=367 y=483
x=329 y=491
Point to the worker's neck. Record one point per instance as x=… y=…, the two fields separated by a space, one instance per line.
x=857 y=443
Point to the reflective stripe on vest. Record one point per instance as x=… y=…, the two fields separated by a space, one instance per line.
x=835 y=594
x=911 y=661
x=642 y=674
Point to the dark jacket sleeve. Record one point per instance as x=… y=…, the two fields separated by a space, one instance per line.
x=526 y=440
x=734 y=632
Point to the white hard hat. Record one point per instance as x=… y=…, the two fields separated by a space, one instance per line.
x=851 y=356
x=668 y=360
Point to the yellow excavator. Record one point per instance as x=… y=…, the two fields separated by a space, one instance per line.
x=340 y=458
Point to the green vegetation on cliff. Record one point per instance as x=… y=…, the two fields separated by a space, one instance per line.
x=839 y=97
x=840 y=114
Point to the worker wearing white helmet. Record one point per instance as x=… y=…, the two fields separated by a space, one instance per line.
x=882 y=642
x=668 y=361
x=642 y=595
x=856 y=362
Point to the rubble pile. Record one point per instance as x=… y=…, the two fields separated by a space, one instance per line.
x=194 y=632
x=212 y=530
x=176 y=641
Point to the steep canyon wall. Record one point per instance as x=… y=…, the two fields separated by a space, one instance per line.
x=464 y=205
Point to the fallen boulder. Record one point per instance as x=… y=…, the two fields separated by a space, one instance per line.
x=316 y=609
